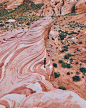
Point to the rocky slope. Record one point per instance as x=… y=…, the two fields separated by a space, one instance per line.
x=11 y=4
x=51 y=7
x=24 y=82
x=62 y=7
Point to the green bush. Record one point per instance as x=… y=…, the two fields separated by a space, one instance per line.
x=61 y=61
x=56 y=75
x=82 y=76
x=68 y=73
x=69 y=54
x=28 y=23
x=83 y=69
x=80 y=42
x=59 y=31
x=52 y=59
x=54 y=64
x=76 y=78
x=1 y=25
x=65 y=47
x=66 y=57
x=77 y=73
x=65 y=65
x=53 y=38
x=71 y=60
x=64 y=50
x=71 y=72
x=69 y=66
x=62 y=36
x=76 y=62
x=62 y=87
x=72 y=32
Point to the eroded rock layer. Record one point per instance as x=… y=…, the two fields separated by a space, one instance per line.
x=62 y=7
x=22 y=56
x=24 y=82
x=51 y=7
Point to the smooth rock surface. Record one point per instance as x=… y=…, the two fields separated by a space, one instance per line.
x=24 y=82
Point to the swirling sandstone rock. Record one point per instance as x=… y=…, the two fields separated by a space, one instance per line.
x=24 y=82
x=54 y=99
x=22 y=56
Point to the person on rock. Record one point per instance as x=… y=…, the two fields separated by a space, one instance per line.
x=44 y=62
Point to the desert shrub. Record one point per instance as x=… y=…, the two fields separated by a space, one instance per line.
x=77 y=49
x=66 y=57
x=80 y=64
x=69 y=66
x=72 y=32
x=69 y=54
x=83 y=69
x=51 y=45
x=28 y=23
x=55 y=23
x=80 y=42
x=74 y=51
x=56 y=75
x=61 y=61
x=76 y=78
x=54 y=64
x=48 y=37
x=53 y=38
x=66 y=32
x=68 y=73
x=73 y=21
x=65 y=47
x=78 y=30
x=65 y=65
x=52 y=59
x=71 y=72
x=64 y=50
x=71 y=60
x=62 y=87
x=1 y=25
x=76 y=62
x=77 y=73
x=59 y=30
x=82 y=76
x=62 y=36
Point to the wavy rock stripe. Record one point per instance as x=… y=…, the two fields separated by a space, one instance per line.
x=24 y=82
x=22 y=53
x=54 y=99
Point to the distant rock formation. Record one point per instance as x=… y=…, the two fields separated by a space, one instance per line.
x=51 y=7
x=80 y=6
x=11 y=4
x=62 y=7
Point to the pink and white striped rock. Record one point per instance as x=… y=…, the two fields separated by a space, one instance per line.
x=54 y=99
x=24 y=82
x=22 y=56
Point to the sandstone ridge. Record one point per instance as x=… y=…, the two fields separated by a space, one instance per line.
x=24 y=82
